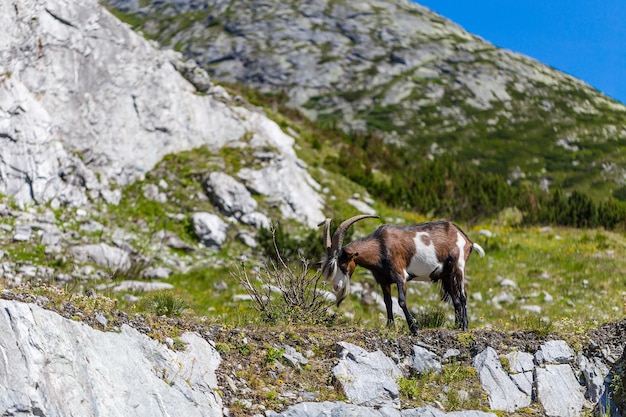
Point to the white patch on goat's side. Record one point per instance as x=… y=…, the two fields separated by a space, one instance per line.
x=425 y=261
x=461 y=242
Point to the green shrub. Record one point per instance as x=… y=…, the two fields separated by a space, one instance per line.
x=165 y=303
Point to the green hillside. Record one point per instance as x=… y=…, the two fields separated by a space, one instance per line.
x=417 y=81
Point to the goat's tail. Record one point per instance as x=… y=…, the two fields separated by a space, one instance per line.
x=479 y=249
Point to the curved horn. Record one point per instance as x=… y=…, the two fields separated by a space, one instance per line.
x=343 y=227
x=327 y=241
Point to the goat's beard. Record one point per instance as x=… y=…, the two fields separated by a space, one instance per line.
x=331 y=273
x=343 y=283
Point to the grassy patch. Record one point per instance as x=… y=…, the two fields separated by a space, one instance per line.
x=455 y=388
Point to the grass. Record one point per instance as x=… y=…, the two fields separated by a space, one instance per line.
x=570 y=275
x=455 y=388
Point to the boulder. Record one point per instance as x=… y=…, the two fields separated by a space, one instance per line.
x=230 y=196
x=594 y=373
x=209 y=228
x=503 y=393
x=554 y=351
x=424 y=361
x=558 y=391
x=103 y=255
x=367 y=378
x=142 y=286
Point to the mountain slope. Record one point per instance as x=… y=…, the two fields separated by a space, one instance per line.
x=88 y=106
x=394 y=67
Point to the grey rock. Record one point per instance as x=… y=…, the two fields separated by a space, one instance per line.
x=51 y=356
x=367 y=378
x=524 y=381
x=172 y=240
x=531 y=308
x=558 y=391
x=22 y=233
x=152 y=192
x=247 y=239
x=611 y=404
x=503 y=393
x=294 y=358
x=361 y=206
x=51 y=238
x=157 y=272
x=450 y=355
x=520 y=361
x=341 y=409
x=256 y=220
x=103 y=255
x=327 y=408
x=508 y=283
x=220 y=286
x=35 y=165
x=594 y=373
x=294 y=191
x=209 y=228
x=91 y=226
x=424 y=361
x=229 y=195
x=142 y=286
x=554 y=351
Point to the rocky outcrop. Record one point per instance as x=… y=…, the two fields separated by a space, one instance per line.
x=86 y=103
x=367 y=378
x=342 y=409
x=52 y=366
x=124 y=372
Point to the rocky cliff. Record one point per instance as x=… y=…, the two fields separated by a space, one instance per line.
x=87 y=106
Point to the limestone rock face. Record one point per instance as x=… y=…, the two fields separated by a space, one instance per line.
x=52 y=366
x=34 y=165
x=85 y=102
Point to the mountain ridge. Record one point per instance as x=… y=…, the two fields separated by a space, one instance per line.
x=416 y=78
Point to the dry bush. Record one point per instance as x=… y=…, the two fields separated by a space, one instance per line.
x=287 y=292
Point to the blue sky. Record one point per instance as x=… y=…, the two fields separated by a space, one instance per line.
x=584 y=38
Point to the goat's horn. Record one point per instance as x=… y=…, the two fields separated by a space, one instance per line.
x=343 y=227
x=327 y=241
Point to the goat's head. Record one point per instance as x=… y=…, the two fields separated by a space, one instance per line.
x=338 y=264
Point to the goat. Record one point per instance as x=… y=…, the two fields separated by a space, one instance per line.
x=431 y=251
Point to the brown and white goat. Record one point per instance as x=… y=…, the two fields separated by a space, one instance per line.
x=431 y=251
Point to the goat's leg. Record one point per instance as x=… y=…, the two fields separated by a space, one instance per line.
x=402 y=302
x=453 y=287
x=463 y=319
x=463 y=300
x=388 y=303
